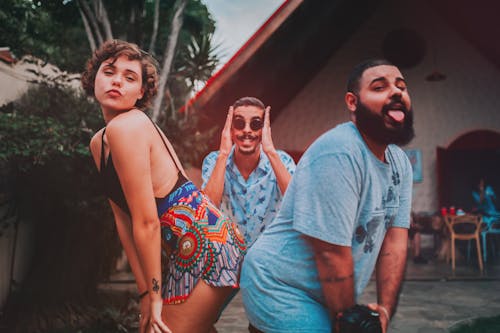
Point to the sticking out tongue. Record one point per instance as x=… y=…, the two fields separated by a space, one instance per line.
x=396 y=115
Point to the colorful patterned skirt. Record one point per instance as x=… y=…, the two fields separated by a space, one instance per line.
x=198 y=242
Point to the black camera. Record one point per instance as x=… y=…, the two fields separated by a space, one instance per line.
x=359 y=319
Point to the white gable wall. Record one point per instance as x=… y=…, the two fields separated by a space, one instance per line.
x=468 y=99
x=15 y=79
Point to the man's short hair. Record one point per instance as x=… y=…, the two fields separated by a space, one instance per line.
x=249 y=101
x=359 y=69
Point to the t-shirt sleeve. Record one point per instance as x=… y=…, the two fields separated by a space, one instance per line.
x=402 y=219
x=288 y=161
x=326 y=199
x=208 y=167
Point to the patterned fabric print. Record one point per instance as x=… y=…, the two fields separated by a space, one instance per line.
x=197 y=242
x=390 y=205
x=362 y=234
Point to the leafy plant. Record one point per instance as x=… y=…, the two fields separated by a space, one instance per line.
x=110 y=318
x=190 y=144
x=34 y=27
x=45 y=123
x=44 y=138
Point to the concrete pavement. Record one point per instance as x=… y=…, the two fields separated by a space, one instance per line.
x=433 y=298
x=424 y=306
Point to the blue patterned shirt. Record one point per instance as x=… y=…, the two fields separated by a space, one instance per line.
x=251 y=203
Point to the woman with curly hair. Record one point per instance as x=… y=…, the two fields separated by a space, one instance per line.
x=185 y=255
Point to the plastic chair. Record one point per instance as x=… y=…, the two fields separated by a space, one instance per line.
x=464 y=227
x=491 y=227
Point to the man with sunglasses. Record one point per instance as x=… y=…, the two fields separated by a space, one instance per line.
x=345 y=213
x=247 y=176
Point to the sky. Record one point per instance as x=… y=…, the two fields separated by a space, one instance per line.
x=236 y=21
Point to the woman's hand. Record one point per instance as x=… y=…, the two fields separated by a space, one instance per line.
x=144 y=314
x=156 y=324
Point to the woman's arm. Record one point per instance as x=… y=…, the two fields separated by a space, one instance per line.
x=124 y=228
x=130 y=138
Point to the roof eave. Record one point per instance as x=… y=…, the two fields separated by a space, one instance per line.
x=244 y=53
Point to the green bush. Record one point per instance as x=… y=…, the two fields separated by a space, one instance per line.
x=44 y=145
x=46 y=122
x=190 y=144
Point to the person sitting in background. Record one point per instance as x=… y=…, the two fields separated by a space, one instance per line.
x=485 y=199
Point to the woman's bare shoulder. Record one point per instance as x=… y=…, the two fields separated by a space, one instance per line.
x=133 y=121
x=131 y=131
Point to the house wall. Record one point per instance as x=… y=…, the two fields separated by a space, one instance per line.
x=12 y=83
x=15 y=79
x=468 y=99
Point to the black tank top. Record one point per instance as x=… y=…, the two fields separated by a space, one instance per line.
x=111 y=183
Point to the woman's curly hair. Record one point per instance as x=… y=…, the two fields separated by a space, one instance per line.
x=114 y=49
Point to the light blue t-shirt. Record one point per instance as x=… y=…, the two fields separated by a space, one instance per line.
x=341 y=194
x=252 y=203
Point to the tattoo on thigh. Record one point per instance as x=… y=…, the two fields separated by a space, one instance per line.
x=156 y=286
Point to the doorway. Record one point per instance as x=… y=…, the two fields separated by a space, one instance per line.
x=470 y=157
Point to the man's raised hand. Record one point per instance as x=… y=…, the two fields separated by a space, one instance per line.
x=226 y=143
x=267 y=140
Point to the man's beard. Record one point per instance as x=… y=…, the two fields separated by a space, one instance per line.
x=374 y=125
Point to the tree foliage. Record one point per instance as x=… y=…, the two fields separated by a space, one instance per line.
x=44 y=139
x=45 y=29
x=55 y=31
x=46 y=123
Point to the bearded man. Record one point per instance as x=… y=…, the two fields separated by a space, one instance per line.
x=345 y=213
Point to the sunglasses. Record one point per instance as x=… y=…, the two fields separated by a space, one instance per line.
x=255 y=124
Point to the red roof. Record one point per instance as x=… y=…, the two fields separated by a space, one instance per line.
x=246 y=51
